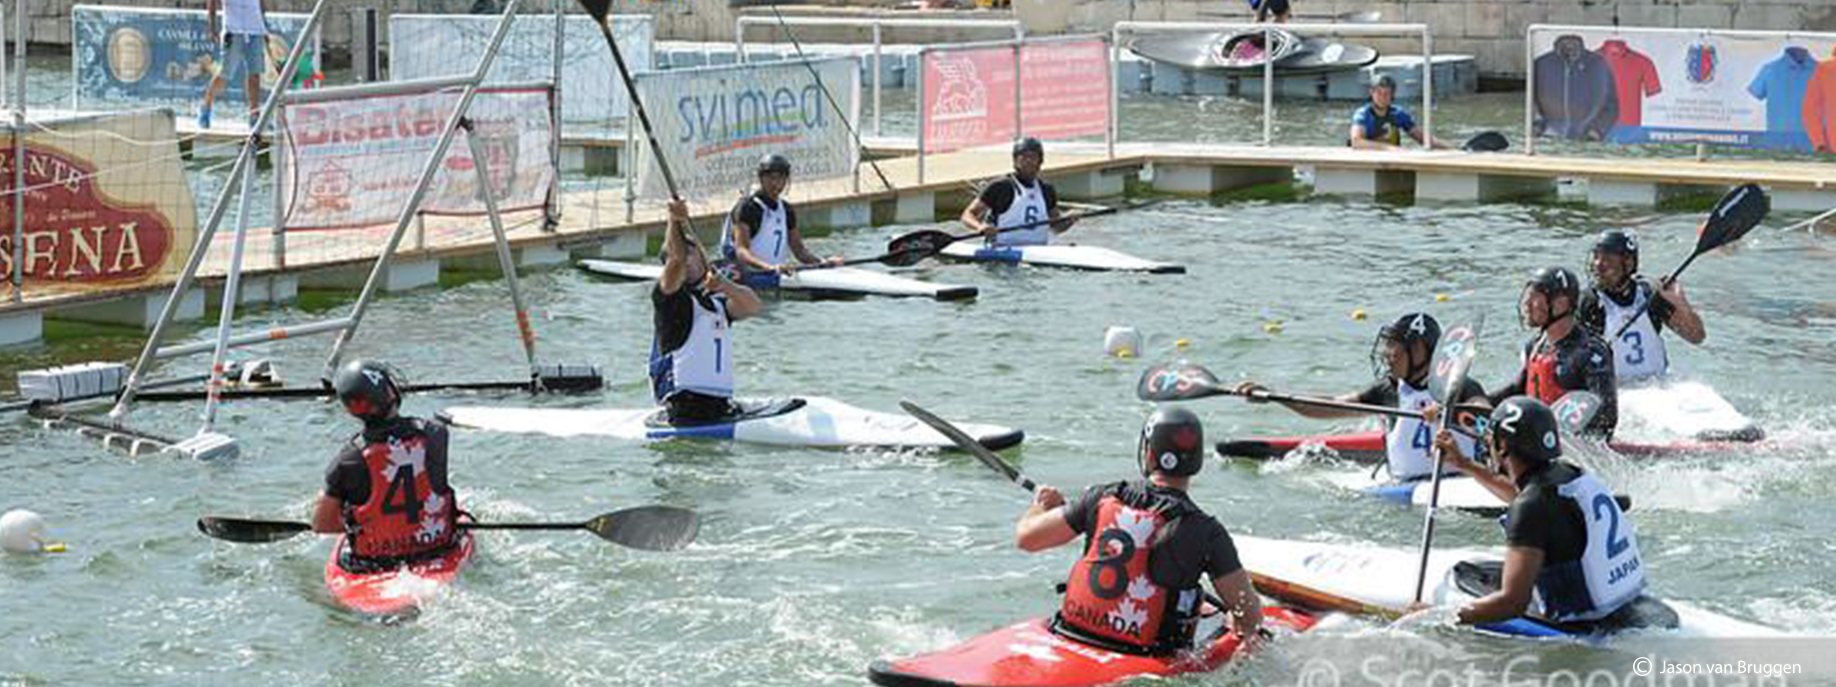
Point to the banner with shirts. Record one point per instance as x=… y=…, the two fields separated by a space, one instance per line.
x=1636 y=86
x=352 y=163
x=168 y=56
x=715 y=122
x=429 y=45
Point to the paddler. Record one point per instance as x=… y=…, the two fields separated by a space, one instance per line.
x=1402 y=356
x=694 y=306
x=1571 y=554
x=1018 y=199
x=1136 y=588
x=1618 y=293
x=761 y=232
x=1381 y=123
x=1563 y=356
x=387 y=491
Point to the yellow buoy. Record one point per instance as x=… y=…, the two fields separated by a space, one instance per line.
x=1358 y=314
x=1272 y=327
x=1182 y=344
x=1440 y=298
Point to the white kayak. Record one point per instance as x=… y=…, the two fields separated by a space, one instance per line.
x=828 y=282
x=1671 y=410
x=1457 y=492
x=1059 y=255
x=811 y=421
x=1385 y=577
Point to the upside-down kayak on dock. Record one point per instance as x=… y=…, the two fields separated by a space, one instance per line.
x=1058 y=255
x=1368 y=447
x=829 y=282
x=810 y=421
x=395 y=590
x=1029 y=654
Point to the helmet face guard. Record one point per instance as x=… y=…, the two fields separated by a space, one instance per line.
x=1407 y=331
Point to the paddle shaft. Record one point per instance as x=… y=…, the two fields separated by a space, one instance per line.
x=1456 y=379
x=1646 y=306
x=319 y=391
x=650 y=133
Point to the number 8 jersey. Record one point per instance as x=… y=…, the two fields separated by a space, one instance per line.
x=1113 y=595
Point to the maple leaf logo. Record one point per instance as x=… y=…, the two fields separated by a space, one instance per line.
x=1129 y=615
x=433 y=517
x=1137 y=524
x=411 y=455
x=1141 y=589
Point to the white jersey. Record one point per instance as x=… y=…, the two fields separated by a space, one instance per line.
x=1409 y=444
x=1610 y=566
x=244 y=17
x=768 y=239
x=1639 y=352
x=1028 y=206
x=704 y=363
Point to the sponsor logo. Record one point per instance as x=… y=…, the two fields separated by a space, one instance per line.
x=1701 y=63
x=76 y=232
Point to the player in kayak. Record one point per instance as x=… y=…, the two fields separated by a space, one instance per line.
x=1618 y=293
x=1402 y=357
x=1381 y=123
x=1136 y=588
x=1018 y=199
x=387 y=491
x=761 y=232
x=694 y=306
x=1564 y=356
x=1571 y=553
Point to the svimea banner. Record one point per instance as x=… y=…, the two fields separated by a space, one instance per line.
x=1628 y=85
x=715 y=122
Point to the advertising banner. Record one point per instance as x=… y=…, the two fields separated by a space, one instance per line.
x=1666 y=86
x=969 y=94
x=714 y=123
x=1064 y=89
x=106 y=202
x=353 y=163
x=165 y=56
x=426 y=45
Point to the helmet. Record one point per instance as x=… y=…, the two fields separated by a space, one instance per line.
x=367 y=389
x=1172 y=442
x=1552 y=282
x=773 y=163
x=1029 y=145
x=1618 y=243
x=1407 y=330
x=1384 y=82
x=1526 y=428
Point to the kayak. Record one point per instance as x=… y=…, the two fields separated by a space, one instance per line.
x=1029 y=654
x=811 y=421
x=1059 y=255
x=1368 y=447
x=1689 y=410
x=1244 y=52
x=397 y=591
x=1385 y=577
x=1457 y=492
x=826 y=283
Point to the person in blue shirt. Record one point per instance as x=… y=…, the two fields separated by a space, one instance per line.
x=1781 y=83
x=1278 y=10
x=1380 y=124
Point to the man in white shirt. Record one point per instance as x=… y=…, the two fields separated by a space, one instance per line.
x=241 y=50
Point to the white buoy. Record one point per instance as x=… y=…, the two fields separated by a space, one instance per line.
x=22 y=531
x=1122 y=342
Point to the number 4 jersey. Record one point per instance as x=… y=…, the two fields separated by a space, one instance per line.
x=392 y=481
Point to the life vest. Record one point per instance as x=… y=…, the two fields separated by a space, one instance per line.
x=1028 y=206
x=404 y=516
x=1639 y=352
x=768 y=238
x=704 y=362
x=1409 y=443
x=1540 y=378
x=1609 y=574
x=1111 y=594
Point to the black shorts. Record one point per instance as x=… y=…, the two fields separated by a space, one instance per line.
x=690 y=408
x=1276 y=7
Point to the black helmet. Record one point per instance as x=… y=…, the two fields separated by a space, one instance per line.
x=367 y=389
x=1619 y=243
x=774 y=163
x=1526 y=428
x=1384 y=82
x=1407 y=330
x=1173 y=442
x=1029 y=145
x=1552 y=282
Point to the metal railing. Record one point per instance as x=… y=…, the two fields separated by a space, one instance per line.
x=1420 y=31
x=878 y=26
x=1018 y=44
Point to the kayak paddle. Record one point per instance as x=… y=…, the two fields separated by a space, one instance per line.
x=1733 y=216
x=651 y=528
x=1453 y=359
x=587 y=379
x=1189 y=382
x=1486 y=142
x=910 y=249
x=969 y=444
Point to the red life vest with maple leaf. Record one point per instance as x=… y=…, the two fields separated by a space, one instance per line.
x=1111 y=594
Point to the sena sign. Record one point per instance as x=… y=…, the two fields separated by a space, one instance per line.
x=75 y=232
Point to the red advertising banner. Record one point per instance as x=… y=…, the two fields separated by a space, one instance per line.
x=1064 y=89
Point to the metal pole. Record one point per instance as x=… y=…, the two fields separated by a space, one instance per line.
x=232 y=285
x=413 y=204
x=504 y=258
x=277 y=249
x=1109 y=132
x=739 y=39
x=553 y=218
x=876 y=77
x=924 y=57
x=1019 y=124
x=1530 y=91
x=631 y=171
x=1268 y=88
x=244 y=158
x=1427 y=89
x=19 y=149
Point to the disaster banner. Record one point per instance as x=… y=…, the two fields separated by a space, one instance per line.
x=131 y=54
x=714 y=123
x=425 y=45
x=106 y=202
x=353 y=163
x=1064 y=89
x=1633 y=86
x=968 y=98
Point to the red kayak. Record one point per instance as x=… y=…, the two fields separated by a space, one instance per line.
x=1028 y=654
x=397 y=591
x=1368 y=447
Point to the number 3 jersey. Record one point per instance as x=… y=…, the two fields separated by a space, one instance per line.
x=392 y=481
x=1137 y=585
x=1639 y=352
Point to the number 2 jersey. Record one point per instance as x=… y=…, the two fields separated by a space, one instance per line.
x=391 y=478
x=1591 y=564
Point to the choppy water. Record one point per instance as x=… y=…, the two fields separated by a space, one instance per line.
x=813 y=563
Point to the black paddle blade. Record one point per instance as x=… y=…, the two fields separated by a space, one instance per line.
x=1177 y=383
x=1453 y=357
x=1734 y=215
x=1487 y=142
x=967 y=443
x=913 y=248
x=598 y=8
x=651 y=528
x=1575 y=409
x=250 y=531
